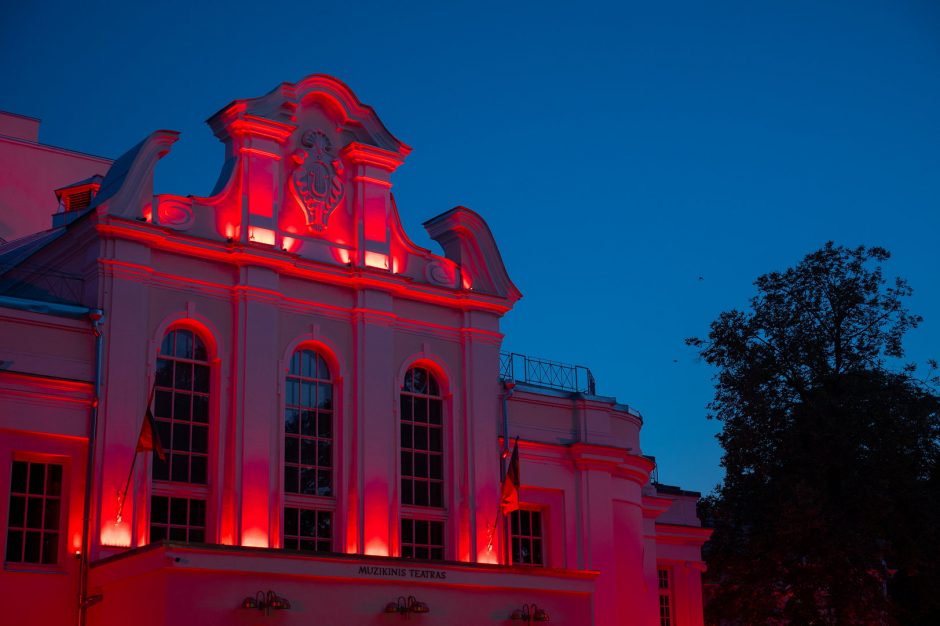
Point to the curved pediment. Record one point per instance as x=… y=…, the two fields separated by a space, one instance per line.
x=291 y=103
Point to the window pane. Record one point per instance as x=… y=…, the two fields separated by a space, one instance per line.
x=34 y=510
x=181 y=437
x=159 y=510
x=291 y=450
x=180 y=468
x=325 y=396
x=200 y=408
x=50 y=548
x=37 y=478
x=290 y=521
x=164 y=373
x=157 y=533
x=308 y=424
x=17 y=515
x=198 y=470
x=323 y=369
x=308 y=452
x=200 y=441
x=168 y=342
x=325 y=483
x=178 y=511
x=18 y=483
x=434 y=411
x=437 y=494
x=324 y=454
x=183 y=375
x=292 y=421
x=182 y=408
x=15 y=546
x=290 y=480
x=325 y=428
x=163 y=404
x=421 y=410
x=201 y=378
x=308 y=481
x=51 y=518
x=184 y=344
x=197 y=513
x=33 y=548
x=199 y=351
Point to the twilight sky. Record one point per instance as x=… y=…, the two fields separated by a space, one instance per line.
x=640 y=164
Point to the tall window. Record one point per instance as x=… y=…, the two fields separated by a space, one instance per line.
x=526 y=537
x=422 y=465
x=665 y=597
x=33 y=526
x=181 y=411
x=308 y=453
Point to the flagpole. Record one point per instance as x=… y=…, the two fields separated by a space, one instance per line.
x=126 y=486
x=130 y=473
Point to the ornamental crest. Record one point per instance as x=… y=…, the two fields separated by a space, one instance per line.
x=317 y=181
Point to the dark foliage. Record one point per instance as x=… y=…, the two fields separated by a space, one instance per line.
x=829 y=512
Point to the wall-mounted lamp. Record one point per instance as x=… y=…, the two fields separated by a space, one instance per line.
x=530 y=613
x=266 y=602
x=405 y=606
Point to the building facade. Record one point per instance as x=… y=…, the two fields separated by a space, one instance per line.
x=333 y=406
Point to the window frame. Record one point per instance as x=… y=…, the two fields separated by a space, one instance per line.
x=543 y=524
x=177 y=489
x=416 y=512
x=666 y=593
x=310 y=502
x=64 y=492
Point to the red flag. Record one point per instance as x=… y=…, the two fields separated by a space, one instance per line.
x=149 y=440
x=509 y=499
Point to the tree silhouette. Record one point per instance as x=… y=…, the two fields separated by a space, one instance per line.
x=829 y=510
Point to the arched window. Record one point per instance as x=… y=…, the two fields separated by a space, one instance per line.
x=422 y=465
x=181 y=412
x=308 y=453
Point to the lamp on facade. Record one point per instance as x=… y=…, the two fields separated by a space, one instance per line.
x=404 y=606
x=530 y=613
x=266 y=602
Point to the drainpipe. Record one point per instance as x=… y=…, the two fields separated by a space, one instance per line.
x=509 y=387
x=96 y=316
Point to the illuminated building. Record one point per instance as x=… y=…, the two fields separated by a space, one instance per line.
x=331 y=397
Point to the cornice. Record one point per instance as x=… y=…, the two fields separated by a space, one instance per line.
x=254 y=254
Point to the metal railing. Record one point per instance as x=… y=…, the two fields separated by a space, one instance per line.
x=521 y=368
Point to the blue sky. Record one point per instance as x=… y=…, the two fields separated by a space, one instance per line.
x=618 y=151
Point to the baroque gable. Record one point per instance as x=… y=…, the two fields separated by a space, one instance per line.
x=307 y=172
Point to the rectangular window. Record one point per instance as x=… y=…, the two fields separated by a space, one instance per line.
x=309 y=530
x=665 y=597
x=177 y=519
x=35 y=513
x=526 y=537
x=422 y=539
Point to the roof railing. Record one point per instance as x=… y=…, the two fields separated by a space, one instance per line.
x=545 y=373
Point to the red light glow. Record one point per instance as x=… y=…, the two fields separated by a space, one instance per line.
x=117 y=535
x=261 y=235
x=374 y=259
x=255 y=538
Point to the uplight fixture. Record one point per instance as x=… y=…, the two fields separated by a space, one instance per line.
x=406 y=606
x=266 y=601
x=530 y=613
